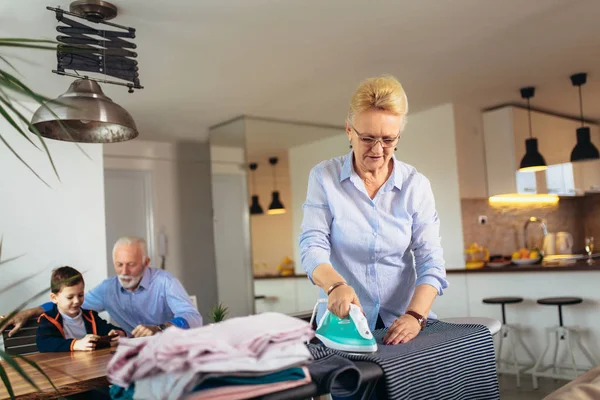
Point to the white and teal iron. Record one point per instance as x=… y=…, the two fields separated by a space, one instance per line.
x=350 y=334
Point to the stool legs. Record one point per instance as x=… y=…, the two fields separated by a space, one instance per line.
x=511 y=333
x=562 y=335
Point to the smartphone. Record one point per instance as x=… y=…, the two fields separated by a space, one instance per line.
x=103 y=342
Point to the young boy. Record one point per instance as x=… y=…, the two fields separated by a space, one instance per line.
x=68 y=327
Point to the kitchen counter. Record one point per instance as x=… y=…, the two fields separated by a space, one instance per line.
x=577 y=266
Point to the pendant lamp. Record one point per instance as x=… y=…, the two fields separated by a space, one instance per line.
x=84 y=114
x=584 y=149
x=255 y=208
x=532 y=160
x=276 y=206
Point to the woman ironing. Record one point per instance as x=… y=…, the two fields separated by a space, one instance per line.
x=370 y=232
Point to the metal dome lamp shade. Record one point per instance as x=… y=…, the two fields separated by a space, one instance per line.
x=276 y=206
x=584 y=149
x=84 y=114
x=532 y=160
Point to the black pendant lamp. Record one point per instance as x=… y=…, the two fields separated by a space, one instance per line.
x=532 y=160
x=255 y=207
x=584 y=149
x=276 y=206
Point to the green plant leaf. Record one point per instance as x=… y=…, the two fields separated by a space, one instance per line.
x=11 y=121
x=23 y=161
x=8 y=63
x=40 y=370
x=26 y=46
x=16 y=85
x=25 y=40
x=6 y=381
x=7 y=358
x=18 y=282
x=4 y=321
x=35 y=130
x=10 y=259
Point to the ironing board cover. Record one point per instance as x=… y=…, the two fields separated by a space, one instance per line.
x=444 y=362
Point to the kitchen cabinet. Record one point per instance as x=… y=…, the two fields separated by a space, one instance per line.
x=573 y=179
x=505 y=131
x=285 y=295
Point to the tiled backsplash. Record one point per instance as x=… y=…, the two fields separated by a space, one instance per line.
x=503 y=232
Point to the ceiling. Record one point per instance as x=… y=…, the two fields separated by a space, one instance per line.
x=204 y=62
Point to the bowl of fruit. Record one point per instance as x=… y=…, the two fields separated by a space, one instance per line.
x=526 y=257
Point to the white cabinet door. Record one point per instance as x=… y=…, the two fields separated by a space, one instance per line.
x=277 y=295
x=306 y=294
x=587 y=176
x=526 y=182
x=555 y=179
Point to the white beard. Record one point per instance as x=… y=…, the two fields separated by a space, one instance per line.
x=132 y=281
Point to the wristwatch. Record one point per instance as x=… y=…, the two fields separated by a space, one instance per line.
x=420 y=319
x=162 y=327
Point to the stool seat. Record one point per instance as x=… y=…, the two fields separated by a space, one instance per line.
x=560 y=301
x=502 y=300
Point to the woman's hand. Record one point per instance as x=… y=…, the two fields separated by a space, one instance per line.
x=340 y=299
x=87 y=343
x=404 y=328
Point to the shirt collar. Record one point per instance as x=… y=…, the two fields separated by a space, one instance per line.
x=396 y=173
x=348 y=169
x=145 y=282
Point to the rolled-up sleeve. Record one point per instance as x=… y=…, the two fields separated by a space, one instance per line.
x=315 y=246
x=185 y=314
x=426 y=242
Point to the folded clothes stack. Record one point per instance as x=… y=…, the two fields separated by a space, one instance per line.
x=235 y=359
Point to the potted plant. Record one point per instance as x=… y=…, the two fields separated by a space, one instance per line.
x=12 y=88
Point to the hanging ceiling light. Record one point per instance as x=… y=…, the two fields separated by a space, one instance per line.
x=276 y=206
x=532 y=160
x=84 y=114
x=584 y=149
x=255 y=207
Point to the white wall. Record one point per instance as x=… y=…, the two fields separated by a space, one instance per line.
x=428 y=143
x=231 y=230
x=470 y=152
x=182 y=208
x=50 y=227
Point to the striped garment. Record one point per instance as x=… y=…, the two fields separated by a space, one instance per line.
x=444 y=362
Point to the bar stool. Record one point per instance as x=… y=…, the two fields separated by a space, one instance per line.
x=565 y=334
x=512 y=333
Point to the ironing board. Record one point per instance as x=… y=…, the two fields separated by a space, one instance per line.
x=445 y=361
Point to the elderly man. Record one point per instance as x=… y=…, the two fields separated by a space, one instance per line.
x=140 y=299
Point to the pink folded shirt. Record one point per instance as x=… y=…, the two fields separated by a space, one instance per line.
x=264 y=342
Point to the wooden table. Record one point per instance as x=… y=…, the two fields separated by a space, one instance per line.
x=71 y=373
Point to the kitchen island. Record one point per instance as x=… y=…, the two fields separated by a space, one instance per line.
x=577 y=266
x=468 y=287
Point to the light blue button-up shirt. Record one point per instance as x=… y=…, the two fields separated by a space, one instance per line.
x=383 y=247
x=158 y=299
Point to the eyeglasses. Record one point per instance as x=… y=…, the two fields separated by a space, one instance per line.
x=370 y=142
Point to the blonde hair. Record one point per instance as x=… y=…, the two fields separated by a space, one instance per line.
x=381 y=93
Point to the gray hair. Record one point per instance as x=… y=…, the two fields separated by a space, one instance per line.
x=129 y=241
